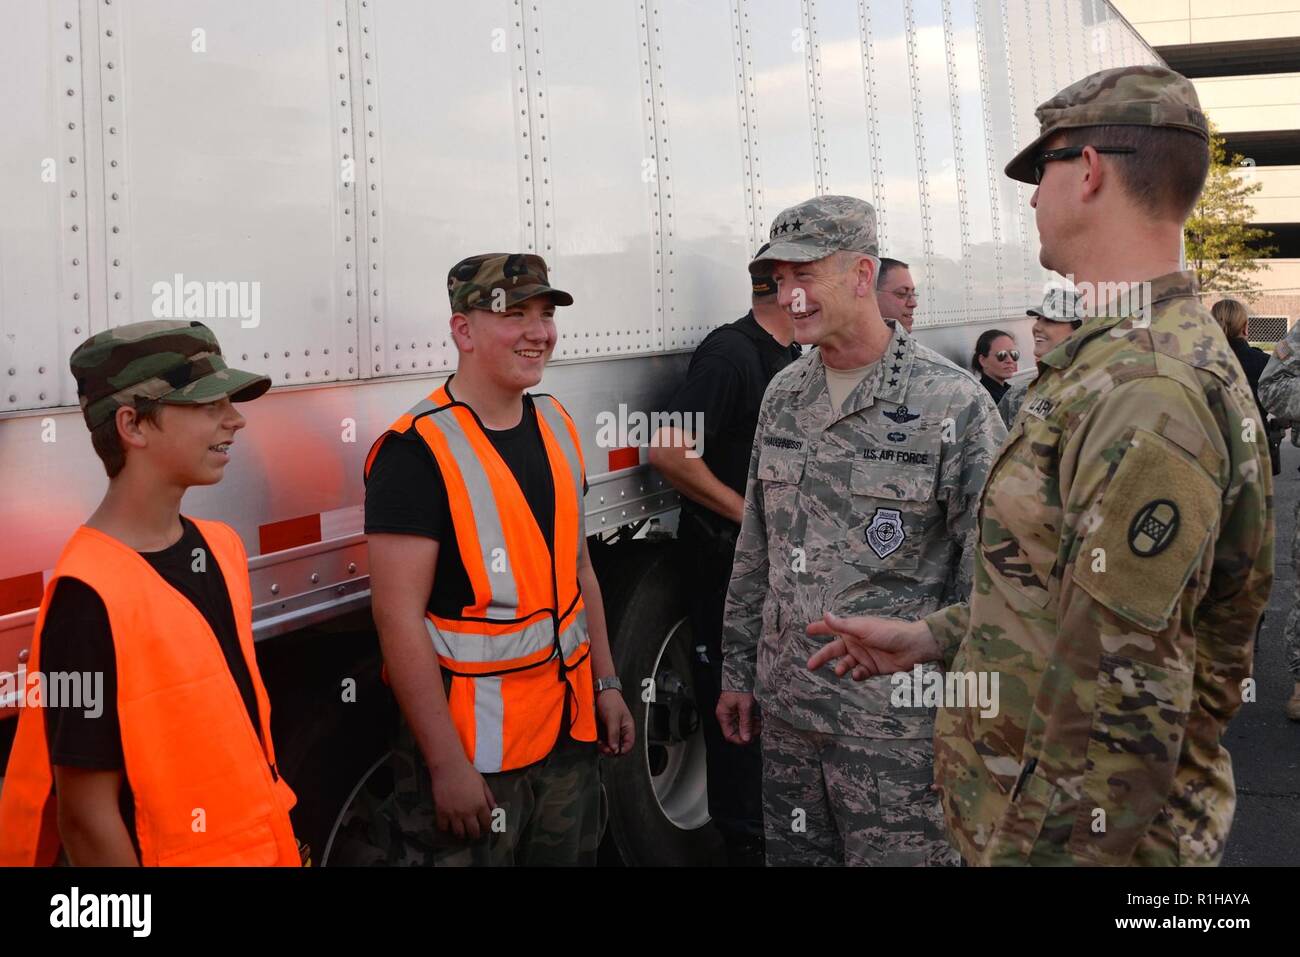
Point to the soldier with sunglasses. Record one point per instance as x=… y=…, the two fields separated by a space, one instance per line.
x=1126 y=537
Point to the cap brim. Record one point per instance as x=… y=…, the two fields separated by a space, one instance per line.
x=558 y=296
x=1039 y=314
x=787 y=252
x=234 y=384
x=518 y=294
x=1021 y=167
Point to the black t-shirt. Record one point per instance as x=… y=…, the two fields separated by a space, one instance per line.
x=725 y=382
x=996 y=389
x=406 y=495
x=77 y=637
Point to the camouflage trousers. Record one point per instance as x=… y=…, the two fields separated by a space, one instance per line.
x=548 y=814
x=831 y=800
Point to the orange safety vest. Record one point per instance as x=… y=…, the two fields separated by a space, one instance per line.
x=206 y=788
x=520 y=651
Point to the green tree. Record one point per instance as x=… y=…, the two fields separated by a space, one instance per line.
x=1222 y=246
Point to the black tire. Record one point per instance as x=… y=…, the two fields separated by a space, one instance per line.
x=644 y=601
x=324 y=744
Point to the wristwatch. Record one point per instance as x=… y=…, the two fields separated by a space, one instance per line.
x=606 y=684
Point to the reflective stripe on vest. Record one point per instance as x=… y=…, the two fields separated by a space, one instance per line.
x=522 y=640
x=187 y=743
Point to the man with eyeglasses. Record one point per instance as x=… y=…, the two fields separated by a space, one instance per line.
x=895 y=293
x=1126 y=539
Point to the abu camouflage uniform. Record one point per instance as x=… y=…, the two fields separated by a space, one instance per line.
x=1125 y=557
x=865 y=509
x=1279 y=393
x=1010 y=403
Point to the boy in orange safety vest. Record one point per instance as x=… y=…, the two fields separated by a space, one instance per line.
x=489 y=614
x=173 y=763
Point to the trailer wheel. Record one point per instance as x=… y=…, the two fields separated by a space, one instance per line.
x=332 y=717
x=659 y=812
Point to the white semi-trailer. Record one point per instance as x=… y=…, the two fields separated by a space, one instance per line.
x=300 y=175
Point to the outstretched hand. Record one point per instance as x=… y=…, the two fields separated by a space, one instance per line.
x=868 y=646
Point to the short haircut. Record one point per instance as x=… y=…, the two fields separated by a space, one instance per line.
x=886 y=264
x=984 y=343
x=1165 y=173
x=846 y=259
x=1232 y=316
x=108 y=444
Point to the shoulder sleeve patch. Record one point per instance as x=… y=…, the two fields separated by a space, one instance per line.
x=1157 y=515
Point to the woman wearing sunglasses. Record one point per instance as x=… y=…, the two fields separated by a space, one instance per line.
x=1054 y=320
x=995 y=361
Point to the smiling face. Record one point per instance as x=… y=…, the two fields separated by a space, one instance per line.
x=995 y=368
x=823 y=297
x=189 y=445
x=1048 y=335
x=897 y=296
x=510 y=348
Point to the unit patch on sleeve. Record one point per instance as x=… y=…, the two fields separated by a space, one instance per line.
x=1153 y=528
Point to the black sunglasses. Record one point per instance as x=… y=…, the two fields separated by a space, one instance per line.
x=1001 y=355
x=1069 y=153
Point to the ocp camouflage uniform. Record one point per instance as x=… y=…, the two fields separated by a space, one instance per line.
x=1125 y=557
x=869 y=509
x=1279 y=393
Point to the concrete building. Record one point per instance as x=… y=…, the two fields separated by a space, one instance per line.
x=1244 y=57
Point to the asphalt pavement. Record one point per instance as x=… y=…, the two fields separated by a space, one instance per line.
x=1265 y=746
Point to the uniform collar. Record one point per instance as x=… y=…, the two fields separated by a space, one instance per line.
x=887 y=381
x=1174 y=285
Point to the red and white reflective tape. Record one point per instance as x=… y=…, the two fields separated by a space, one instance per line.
x=23 y=591
x=309 y=529
x=624 y=458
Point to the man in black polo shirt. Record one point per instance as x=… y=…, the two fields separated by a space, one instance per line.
x=724 y=384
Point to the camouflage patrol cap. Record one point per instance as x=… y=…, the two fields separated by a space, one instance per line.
x=1124 y=96
x=175 y=361
x=1059 y=305
x=816 y=228
x=472 y=282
